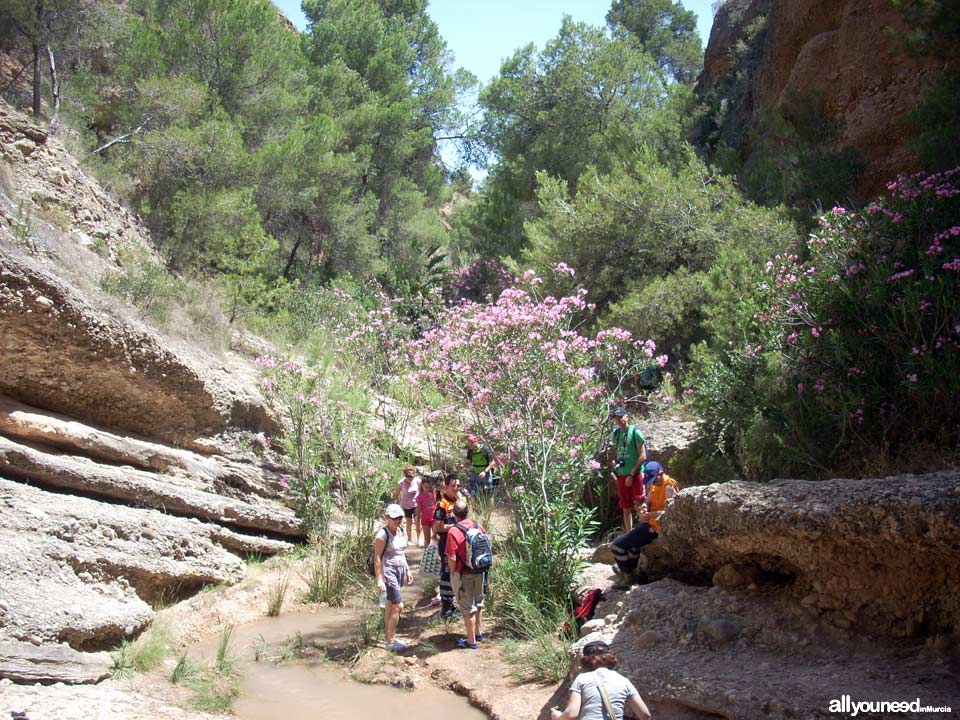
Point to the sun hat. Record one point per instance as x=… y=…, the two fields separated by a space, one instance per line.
x=394 y=511
x=597 y=647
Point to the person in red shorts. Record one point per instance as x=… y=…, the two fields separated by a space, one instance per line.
x=631 y=456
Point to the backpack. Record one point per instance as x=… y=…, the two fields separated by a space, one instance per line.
x=371 y=567
x=477 y=548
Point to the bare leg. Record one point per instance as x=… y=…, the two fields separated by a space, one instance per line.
x=391 y=618
x=627 y=520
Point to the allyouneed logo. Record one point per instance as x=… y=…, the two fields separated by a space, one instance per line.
x=854 y=707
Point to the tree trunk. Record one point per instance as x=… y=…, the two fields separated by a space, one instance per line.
x=36 y=81
x=288 y=268
x=55 y=85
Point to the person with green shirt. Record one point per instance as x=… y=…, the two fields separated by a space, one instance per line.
x=480 y=463
x=631 y=456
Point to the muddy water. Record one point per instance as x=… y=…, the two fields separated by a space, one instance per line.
x=282 y=685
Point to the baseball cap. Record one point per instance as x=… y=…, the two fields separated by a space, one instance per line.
x=597 y=647
x=394 y=511
x=619 y=412
x=651 y=471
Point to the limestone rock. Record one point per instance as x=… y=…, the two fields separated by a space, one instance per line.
x=172 y=494
x=26 y=663
x=869 y=547
x=79 y=361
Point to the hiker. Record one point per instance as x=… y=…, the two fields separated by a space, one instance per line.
x=406 y=494
x=631 y=455
x=660 y=488
x=480 y=460
x=426 y=505
x=600 y=691
x=392 y=572
x=444 y=519
x=468 y=582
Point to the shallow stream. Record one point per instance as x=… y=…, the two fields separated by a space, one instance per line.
x=278 y=681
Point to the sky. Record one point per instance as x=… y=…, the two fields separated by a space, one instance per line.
x=482 y=34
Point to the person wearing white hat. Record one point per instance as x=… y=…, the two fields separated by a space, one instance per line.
x=392 y=572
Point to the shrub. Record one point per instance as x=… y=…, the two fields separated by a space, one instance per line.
x=526 y=379
x=852 y=353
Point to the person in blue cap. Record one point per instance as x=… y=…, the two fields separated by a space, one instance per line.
x=626 y=548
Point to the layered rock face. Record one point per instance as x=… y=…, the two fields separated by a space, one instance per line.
x=841 y=53
x=116 y=487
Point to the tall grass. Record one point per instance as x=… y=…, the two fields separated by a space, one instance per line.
x=332 y=575
x=146 y=652
x=225 y=661
x=277 y=595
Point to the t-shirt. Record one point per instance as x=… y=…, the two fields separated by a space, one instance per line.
x=408 y=492
x=457 y=541
x=619 y=690
x=479 y=458
x=626 y=445
x=427 y=502
x=394 y=552
x=657 y=500
x=444 y=513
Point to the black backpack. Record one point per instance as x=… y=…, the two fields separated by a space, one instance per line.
x=371 y=567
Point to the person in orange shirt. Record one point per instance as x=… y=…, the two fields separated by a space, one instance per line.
x=660 y=488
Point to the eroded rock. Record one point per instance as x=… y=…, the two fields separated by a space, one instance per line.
x=77 y=571
x=868 y=552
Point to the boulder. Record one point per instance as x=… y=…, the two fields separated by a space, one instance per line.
x=702 y=652
x=26 y=663
x=882 y=554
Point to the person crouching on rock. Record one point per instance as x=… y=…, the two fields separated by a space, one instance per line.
x=392 y=572
x=600 y=691
x=626 y=548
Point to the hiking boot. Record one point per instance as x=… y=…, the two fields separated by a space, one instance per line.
x=464 y=645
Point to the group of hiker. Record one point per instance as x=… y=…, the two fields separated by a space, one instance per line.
x=439 y=517
x=436 y=512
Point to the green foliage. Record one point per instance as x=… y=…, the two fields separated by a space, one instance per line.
x=643 y=236
x=225 y=661
x=585 y=101
x=665 y=30
x=185 y=670
x=792 y=156
x=145 y=283
x=332 y=571
x=849 y=359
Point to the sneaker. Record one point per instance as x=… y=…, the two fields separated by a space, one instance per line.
x=464 y=645
x=396 y=646
x=479 y=637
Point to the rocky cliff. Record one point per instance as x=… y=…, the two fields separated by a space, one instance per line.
x=841 y=52
x=118 y=484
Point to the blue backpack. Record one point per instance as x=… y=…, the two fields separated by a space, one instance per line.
x=478 y=550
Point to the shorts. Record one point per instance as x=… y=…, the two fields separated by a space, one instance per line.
x=395 y=577
x=627 y=495
x=408 y=512
x=468 y=591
